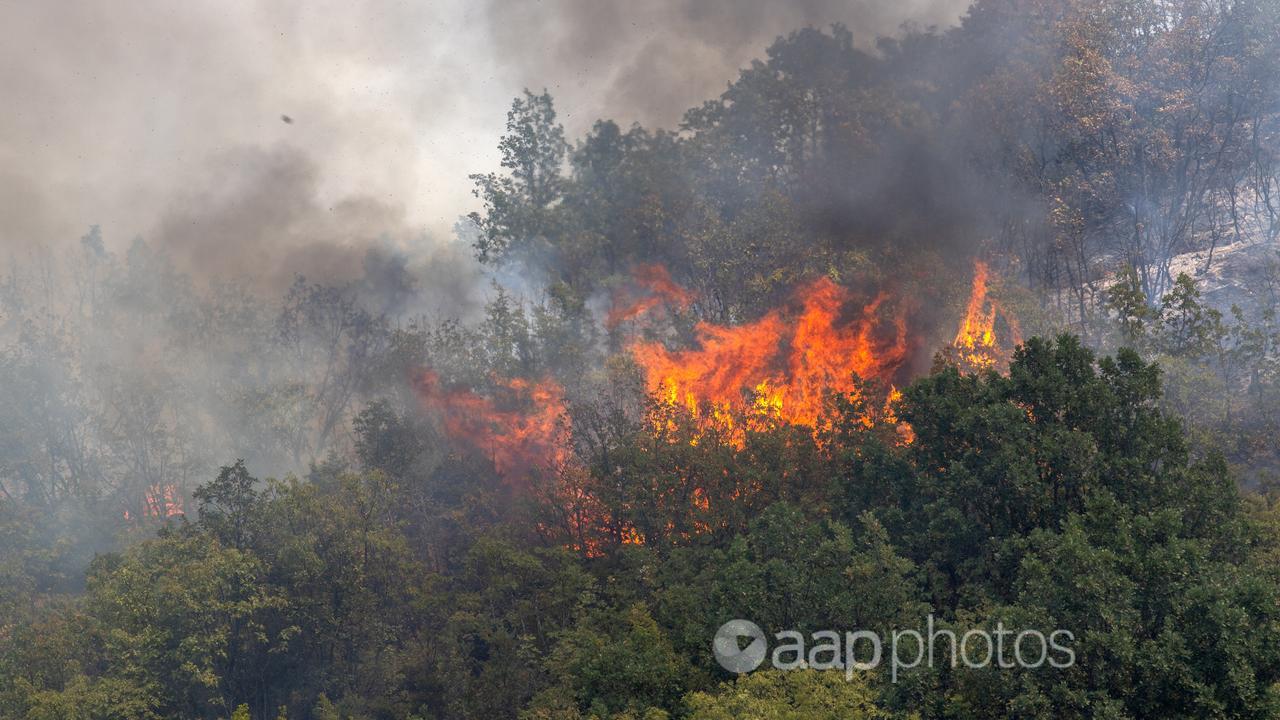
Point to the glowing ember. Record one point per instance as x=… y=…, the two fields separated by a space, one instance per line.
x=650 y=287
x=782 y=366
x=523 y=428
x=975 y=346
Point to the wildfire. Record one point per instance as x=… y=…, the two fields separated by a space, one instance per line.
x=784 y=365
x=650 y=287
x=160 y=501
x=779 y=369
x=523 y=428
x=975 y=346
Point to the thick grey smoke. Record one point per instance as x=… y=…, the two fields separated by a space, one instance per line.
x=164 y=120
x=256 y=211
x=122 y=114
x=649 y=62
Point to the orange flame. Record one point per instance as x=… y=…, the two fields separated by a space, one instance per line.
x=975 y=346
x=524 y=429
x=160 y=501
x=780 y=366
x=651 y=286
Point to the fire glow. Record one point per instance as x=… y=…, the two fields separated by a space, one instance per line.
x=523 y=430
x=779 y=369
x=651 y=286
x=975 y=346
x=160 y=501
x=784 y=365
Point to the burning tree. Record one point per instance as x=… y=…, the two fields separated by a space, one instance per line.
x=976 y=347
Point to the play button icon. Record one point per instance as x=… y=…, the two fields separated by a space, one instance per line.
x=739 y=646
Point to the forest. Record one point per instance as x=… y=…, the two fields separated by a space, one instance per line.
x=978 y=324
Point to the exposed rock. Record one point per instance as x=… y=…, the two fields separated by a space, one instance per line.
x=1245 y=273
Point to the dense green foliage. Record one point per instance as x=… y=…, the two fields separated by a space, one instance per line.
x=1057 y=496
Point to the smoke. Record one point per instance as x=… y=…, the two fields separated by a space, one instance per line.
x=121 y=114
x=164 y=121
x=256 y=212
x=649 y=62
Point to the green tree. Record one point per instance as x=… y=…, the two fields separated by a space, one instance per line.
x=227 y=505
x=1126 y=299
x=519 y=211
x=183 y=614
x=618 y=661
x=1188 y=327
x=1062 y=496
x=793 y=695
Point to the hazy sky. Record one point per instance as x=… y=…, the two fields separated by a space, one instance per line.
x=163 y=119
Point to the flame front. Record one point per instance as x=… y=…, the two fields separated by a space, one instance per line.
x=781 y=369
x=782 y=366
